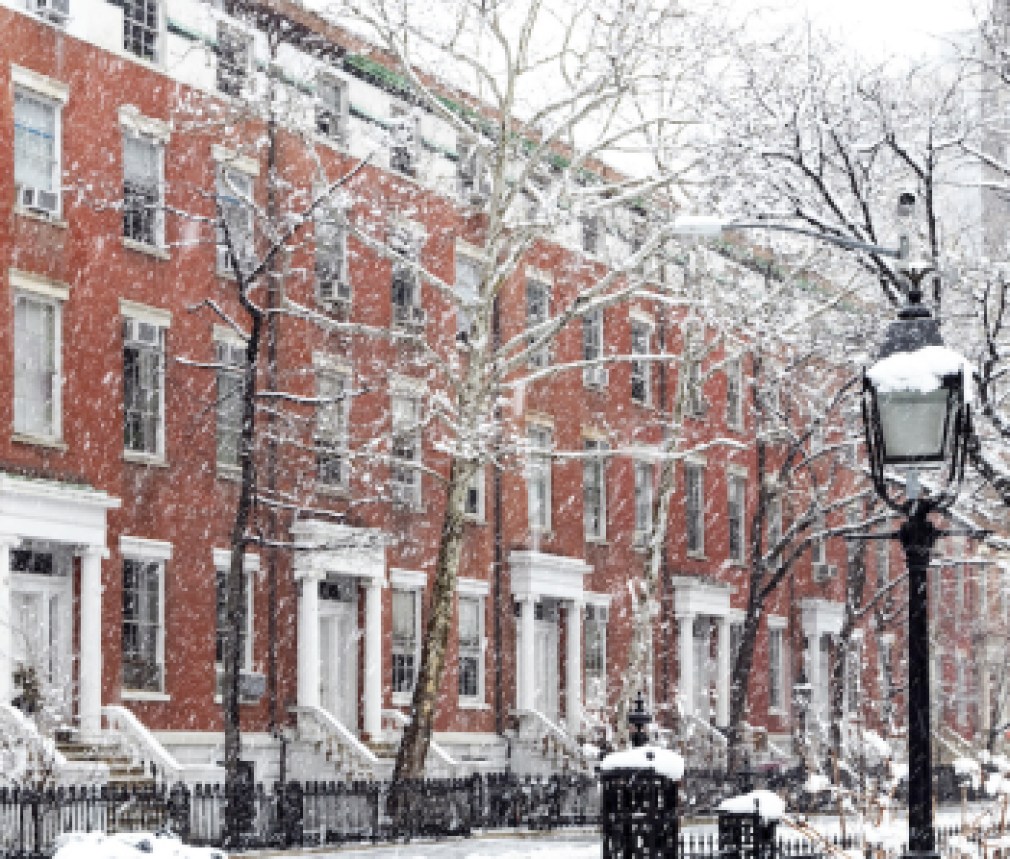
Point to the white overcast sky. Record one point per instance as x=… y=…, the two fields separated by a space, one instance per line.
x=879 y=28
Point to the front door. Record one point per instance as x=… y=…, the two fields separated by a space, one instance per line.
x=338 y=643
x=545 y=658
x=41 y=608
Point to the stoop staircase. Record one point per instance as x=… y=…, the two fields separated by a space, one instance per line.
x=124 y=771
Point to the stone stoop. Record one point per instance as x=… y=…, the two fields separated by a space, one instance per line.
x=123 y=772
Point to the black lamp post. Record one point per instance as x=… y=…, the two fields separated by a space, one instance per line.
x=639 y=719
x=915 y=425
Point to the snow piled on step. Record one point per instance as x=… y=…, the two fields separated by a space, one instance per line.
x=128 y=845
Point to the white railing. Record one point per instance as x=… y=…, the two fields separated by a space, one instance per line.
x=340 y=746
x=551 y=742
x=447 y=765
x=131 y=736
x=29 y=756
x=708 y=742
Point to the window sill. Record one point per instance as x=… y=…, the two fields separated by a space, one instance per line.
x=472 y=519
x=52 y=220
x=144 y=459
x=473 y=705
x=338 y=144
x=141 y=695
x=697 y=556
x=39 y=441
x=601 y=542
x=333 y=490
x=146 y=249
x=229 y=472
x=777 y=712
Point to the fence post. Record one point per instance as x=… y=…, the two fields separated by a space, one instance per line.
x=179 y=804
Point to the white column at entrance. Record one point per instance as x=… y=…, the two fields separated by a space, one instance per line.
x=526 y=685
x=573 y=668
x=308 y=641
x=6 y=621
x=814 y=669
x=723 y=669
x=90 y=678
x=685 y=634
x=373 y=659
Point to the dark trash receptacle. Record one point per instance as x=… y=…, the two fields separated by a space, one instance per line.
x=639 y=814
x=750 y=834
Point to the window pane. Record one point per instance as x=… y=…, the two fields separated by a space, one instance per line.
x=35 y=360
x=34 y=141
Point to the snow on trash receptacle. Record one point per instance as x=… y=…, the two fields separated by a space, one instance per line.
x=748 y=824
x=639 y=803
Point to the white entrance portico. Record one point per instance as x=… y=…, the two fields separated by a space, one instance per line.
x=542 y=584
x=821 y=621
x=702 y=609
x=43 y=526
x=332 y=562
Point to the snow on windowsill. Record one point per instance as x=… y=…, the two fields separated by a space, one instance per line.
x=661 y=761
x=921 y=371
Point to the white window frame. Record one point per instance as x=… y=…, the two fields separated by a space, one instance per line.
x=773 y=523
x=332 y=429
x=594 y=375
x=234 y=79
x=467 y=294
x=155 y=133
x=333 y=286
x=138 y=320
x=476 y=591
x=736 y=517
x=155 y=553
x=332 y=118
x=405 y=407
x=777 y=662
x=250 y=566
x=53 y=94
x=594 y=631
x=645 y=499
x=475 y=490
x=641 y=371
x=594 y=482
x=694 y=504
x=734 y=393
x=405 y=239
x=472 y=179
x=405 y=139
x=31 y=289
x=411 y=584
x=235 y=185
x=154 y=234
x=229 y=355
x=536 y=315
x=540 y=441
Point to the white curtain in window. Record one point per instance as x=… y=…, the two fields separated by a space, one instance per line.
x=34 y=141
x=35 y=366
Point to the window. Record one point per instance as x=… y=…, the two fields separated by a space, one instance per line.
x=234 y=59
x=853 y=661
x=640 y=368
x=231 y=359
x=331 y=441
x=406 y=451
x=883 y=562
x=143 y=634
x=774 y=520
x=736 y=511
x=776 y=663
x=594 y=490
x=886 y=689
x=406 y=641
x=538 y=303
x=471 y=175
x=332 y=108
x=234 y=219
x=467 y=285
x=405 y=131
x=734 y=394
x=143 y=205
x=538 y=476
x=140 y=28
x=222 y=561
x=333 y=291
x=37 y=366
x=595 y=656
x=471 y=638
x=589 y=227
x=407 y=311
x=37 y=173
x=643 y=502
x=473 y=505
x=694 y=400
x=595 y=375
x=143 y=387
x=694 y=488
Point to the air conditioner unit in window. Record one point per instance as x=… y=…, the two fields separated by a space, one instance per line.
x=594 y=377
x=823 y=572
x=56 y=11
x=38 y=199
x=251 y=686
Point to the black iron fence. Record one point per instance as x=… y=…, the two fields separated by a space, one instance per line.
x=299 y=814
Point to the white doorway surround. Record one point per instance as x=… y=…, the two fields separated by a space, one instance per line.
x=821 y=621
x=541 y=585
x=702 y=609
x=59 y=522
x=329 y=557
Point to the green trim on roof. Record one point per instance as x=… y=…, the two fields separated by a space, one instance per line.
x=177 y=28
